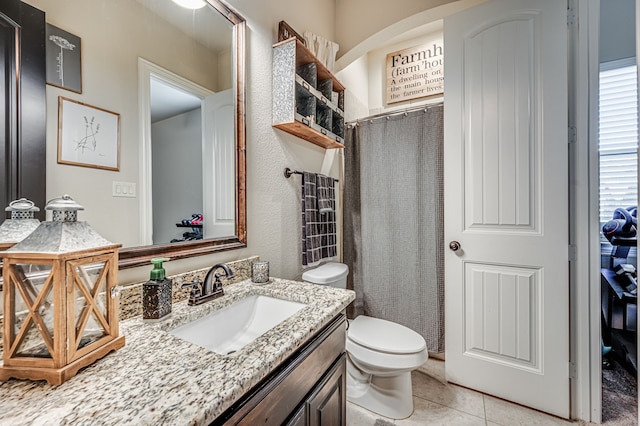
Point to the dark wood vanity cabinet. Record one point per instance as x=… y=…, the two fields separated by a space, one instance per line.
x=309 y=388
x=326 y=405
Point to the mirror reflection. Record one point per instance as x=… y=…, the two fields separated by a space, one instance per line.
x=169 y=71
x=191 y=138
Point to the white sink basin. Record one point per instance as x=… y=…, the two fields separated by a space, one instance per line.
x=233 y=327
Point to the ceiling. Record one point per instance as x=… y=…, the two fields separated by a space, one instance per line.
x=209 y=28
x=206 y=25
x=167 y=101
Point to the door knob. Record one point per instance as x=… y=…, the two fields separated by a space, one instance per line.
x=454 y=246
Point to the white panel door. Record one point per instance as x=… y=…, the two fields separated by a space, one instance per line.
x=219 y=165
x=506 y=202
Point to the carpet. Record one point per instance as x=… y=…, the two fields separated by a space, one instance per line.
x=619 y=396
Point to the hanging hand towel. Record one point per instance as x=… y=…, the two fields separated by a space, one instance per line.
x=325 y=193
x=318 y=230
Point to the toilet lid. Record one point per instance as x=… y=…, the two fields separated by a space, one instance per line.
x=385 y=336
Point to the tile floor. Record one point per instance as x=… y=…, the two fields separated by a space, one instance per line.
x=438 y=403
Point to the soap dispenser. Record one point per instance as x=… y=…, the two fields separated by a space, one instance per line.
x=157 y=293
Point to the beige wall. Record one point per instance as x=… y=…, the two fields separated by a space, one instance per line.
x=273 y=202
x=357 y=20
x=363 y=68
x=366 y=25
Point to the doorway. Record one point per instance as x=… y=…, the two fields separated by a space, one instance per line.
x=154 y=78
x=618 y=199
x=176 y=144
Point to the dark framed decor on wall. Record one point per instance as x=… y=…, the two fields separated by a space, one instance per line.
x=64 y=64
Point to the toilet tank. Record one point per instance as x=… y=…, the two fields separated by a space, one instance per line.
x=332 y=274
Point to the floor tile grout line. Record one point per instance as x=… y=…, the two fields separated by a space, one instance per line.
x=484 y=410
x=454 y=408
x=446 y=406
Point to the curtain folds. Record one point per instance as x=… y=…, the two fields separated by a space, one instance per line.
x=393 y=220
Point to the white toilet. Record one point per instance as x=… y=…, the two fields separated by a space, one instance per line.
x=380 y=354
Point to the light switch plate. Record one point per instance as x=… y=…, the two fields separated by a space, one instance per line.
x=124 y=189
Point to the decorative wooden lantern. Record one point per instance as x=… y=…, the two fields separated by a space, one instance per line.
x=60 y=298
x=21 y=224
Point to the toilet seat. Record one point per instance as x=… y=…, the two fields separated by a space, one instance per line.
x=382 y=363
x=385 y=336
x=384 y=346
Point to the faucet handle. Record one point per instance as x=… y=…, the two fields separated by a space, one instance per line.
x=195 y=283
x=227 y=273
x=195 y=288
x=217 y=284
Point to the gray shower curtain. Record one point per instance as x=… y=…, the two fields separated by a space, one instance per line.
x=393 y=220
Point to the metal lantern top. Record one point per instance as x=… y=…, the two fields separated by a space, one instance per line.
x=22 y=209
x=22 y=222
x=64 y=233
x=64 y=209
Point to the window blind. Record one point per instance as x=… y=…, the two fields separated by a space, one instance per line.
x=618 y=137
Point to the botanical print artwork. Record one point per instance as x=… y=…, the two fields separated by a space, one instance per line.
x=88 y=141
x=88 y=136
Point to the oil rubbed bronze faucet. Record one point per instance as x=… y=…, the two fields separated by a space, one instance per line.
x=204 y=292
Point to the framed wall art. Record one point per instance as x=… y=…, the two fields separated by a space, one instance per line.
x=64 y=65
x=88 y=136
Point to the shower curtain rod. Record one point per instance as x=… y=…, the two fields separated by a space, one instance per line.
x=403 y=111
x=288 y=172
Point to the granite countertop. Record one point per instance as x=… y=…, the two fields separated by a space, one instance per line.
x=158 y=378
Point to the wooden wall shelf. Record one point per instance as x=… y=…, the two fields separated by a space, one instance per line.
x=308 y=100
